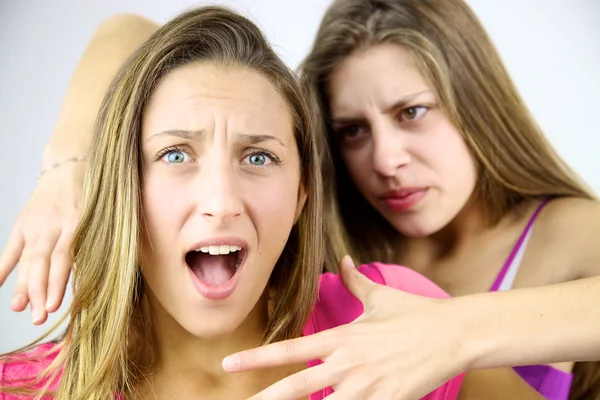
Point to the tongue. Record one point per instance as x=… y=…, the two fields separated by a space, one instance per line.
x=212 y=270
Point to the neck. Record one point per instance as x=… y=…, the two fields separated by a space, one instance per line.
x=462 y=233
x=189 y=366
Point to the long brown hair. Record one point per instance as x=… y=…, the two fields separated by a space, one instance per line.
x=455 y=55
x=106 y=332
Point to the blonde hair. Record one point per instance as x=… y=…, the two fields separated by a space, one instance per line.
x=101 y=353
x=455 y=55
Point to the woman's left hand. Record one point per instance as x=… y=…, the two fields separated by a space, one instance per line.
x=404 y=346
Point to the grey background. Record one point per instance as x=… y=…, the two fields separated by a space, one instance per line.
x=551 y=48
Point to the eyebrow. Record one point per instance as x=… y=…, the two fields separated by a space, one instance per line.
x=182 y=133
x=402 y=103
x=187 y=134
x=255 y=139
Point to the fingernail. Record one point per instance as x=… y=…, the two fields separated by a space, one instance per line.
x=37 y=315
x=231 y=363
x=348 y=260
x=17 y=300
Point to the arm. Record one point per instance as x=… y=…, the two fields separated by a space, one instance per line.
x=111 y=44
x=403 y=346
x=545 y=324
x=558 y=324
x=42 y=251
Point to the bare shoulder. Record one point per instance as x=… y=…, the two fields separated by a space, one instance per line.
x=572 y=226
x=572 y=215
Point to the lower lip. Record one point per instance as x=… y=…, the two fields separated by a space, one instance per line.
x=405 y=203
x=217 y=292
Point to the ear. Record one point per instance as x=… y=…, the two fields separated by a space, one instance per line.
x=302 y=196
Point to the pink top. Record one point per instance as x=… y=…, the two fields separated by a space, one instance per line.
x=335 y=306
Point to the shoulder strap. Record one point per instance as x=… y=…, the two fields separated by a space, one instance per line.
x=511 y=266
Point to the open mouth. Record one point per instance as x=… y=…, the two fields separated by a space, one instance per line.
x=216 y=266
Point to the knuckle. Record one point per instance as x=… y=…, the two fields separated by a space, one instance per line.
x=335 y=335
x=18 y=226
x=60 y=255
x=299 y=382
x=35 y=257
x=291 y=349
x=36 y=292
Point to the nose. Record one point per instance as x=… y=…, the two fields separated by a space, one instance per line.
x=219 y=194
x=389 y=151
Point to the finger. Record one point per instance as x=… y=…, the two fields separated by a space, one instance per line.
x=60 y=269
x=363 y=395
x=20 y=296
x=358 y=284
x=293 y=351
x=300 y=385
x=39 y=269
x=11 y=254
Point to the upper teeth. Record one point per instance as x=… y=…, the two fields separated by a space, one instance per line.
x=216 y=250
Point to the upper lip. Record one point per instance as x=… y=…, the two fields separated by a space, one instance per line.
x=219 y=241
x=399 y=193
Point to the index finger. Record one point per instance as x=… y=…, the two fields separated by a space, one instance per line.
x=292 y=351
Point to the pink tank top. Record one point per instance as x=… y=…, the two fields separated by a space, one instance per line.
x=335 y=306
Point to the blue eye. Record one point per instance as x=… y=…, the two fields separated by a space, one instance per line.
x=176 y=157
x=257 y=159
x=261 y=158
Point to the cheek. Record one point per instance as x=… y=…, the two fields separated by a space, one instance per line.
x=272 y=204
x=455 y=164
x=159 y=194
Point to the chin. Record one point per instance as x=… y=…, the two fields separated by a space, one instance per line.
x=417 y=227
x=212 y=327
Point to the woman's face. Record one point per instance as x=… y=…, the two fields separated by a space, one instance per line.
x=400 y=149
x=221 y=192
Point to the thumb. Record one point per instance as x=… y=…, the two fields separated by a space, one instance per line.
x=358 y=284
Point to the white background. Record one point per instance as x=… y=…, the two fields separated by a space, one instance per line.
x=551 y=48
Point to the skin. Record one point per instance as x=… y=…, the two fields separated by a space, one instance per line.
x=393 y=135
x=557 y=325
x=219 y=154
x=446 y=236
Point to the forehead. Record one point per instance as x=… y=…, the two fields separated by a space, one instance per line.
x=381 y=74
x=198 y=94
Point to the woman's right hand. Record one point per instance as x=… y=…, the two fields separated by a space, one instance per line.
x=41 y=237
x=40 y=241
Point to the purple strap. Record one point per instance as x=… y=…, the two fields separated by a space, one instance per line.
x=517 y=247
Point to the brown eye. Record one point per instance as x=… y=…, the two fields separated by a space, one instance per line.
x=413 y=113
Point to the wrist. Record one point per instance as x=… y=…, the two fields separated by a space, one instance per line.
x=471 y=340
x=56 y=152
x=61 y=157
x=60 y=163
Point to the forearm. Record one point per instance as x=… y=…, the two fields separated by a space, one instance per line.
x=531 y=326
x=110 y=46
